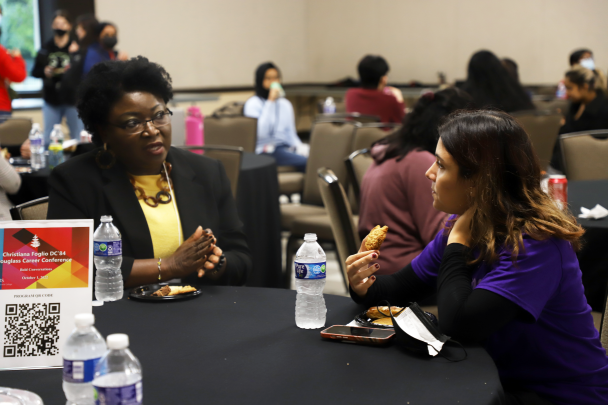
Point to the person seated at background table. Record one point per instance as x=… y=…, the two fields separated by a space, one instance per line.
x=584 y=58
x=394 y=191
x=375 y=97
x=10 y=182
x=588 y=109
x=491 y=85
x=103 y=48
x=277 y=134
x=52 y=62
x=156 y=194
x=505 y=268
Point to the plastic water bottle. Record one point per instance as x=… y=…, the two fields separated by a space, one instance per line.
x=107 y=251
x=57 y=134
x=118 y=374
x=329 y=106
x=37 y=147
x=56 y=147
x=81 y=353
x=310 y=270
x=561 y=91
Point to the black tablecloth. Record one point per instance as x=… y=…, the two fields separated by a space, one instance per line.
x=241 y=346
x=257 y=204
x=593 y=257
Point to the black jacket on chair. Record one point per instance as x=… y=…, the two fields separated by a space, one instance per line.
x=79 y=189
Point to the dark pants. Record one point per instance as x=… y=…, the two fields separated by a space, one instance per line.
x=286 y=158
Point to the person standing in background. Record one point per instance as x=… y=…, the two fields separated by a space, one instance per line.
x=103 y=48
x=52 y=61
x=375 y=97
x=12 y=69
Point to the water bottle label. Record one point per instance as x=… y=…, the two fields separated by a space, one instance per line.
x=129 y=395
x=79 y=371
x=310 y=271
x=113 y=248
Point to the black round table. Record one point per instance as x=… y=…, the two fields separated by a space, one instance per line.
x=587 y=194
x=257 y=204
x=240 y=345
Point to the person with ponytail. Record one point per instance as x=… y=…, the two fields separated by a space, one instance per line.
x=277 y=134
x=394 y=191
x=504 y=268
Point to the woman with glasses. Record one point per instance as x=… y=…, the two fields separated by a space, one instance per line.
x=174 y=208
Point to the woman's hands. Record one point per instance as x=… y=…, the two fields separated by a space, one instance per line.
x=211 y=262
x=192 y=254
x=461 y=231
x=360 y=274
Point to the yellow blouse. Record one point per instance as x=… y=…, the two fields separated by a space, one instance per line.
x=163 y=220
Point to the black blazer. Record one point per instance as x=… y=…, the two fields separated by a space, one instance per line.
x=79 y=189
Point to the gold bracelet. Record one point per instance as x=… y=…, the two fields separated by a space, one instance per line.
x=159 y=261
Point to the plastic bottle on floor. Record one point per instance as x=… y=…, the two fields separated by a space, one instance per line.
x=107 y=251
x=310 y=272
x=81 y=353
x=118 y=379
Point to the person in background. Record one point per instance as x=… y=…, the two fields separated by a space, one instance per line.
x=160 y=197
x=103 y=48
x=375 y=97
x=12 y=69
x=491 y=85
x=52 y=62
x=394 y=190
x=277 y=134
x=505 y=268
x=511 y=67
x=584 y=58
x=10 y=182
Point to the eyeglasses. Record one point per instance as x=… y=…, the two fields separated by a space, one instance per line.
x=134 y=126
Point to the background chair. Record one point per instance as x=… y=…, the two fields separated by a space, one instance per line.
x=231 y=130
x=234 y=108
x=357 y=164
x=341 y=217
x=14 y=131
x=31 y=210
x=584 y=155
x=362 y=118
x=368 y=133
x=542 y=126
x=230 y=157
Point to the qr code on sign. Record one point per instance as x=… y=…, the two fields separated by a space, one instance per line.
x=31 y=330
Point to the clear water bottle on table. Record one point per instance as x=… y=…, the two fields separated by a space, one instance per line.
x=37 y=148
x=118 y=379
x=107 y=251
x=81 y=353
x=310 y=271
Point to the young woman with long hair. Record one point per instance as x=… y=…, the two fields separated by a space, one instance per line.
x=505 y=268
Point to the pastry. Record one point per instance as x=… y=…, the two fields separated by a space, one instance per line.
x=383 y=321
x=165 y=290
x=175 y=290
x=376 y=237
x=382 y=312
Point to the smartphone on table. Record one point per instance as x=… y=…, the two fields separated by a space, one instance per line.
x=356 y=334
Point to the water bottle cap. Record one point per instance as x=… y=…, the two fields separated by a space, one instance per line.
x=310 y=237
x=57 y=126
x=84 y=320
x=35 y=125
x=118 y=341
x=106 y=218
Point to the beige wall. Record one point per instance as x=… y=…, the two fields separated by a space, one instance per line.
x=215 y=43
x=212 y=43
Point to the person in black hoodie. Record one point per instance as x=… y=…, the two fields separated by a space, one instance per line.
x=52 y=61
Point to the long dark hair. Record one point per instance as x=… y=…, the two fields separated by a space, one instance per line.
x=419 y=130
x=89 y=24
x=491 y=85
x=260 y=72
x=494 y=151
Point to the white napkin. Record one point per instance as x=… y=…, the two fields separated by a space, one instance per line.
x=411 y=325
x=596 y=212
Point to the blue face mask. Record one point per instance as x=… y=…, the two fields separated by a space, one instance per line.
x=587 y=63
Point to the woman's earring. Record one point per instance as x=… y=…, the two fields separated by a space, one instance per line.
x=105 y=158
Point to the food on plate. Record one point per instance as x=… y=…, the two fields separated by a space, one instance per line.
x=173 y=290
x=164 y=291
x=383 y=321
x=376 y=237
x=382 y=312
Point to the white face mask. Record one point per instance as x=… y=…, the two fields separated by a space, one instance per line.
x=587 y=63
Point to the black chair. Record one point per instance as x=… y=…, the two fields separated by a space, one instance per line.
x=31 y=210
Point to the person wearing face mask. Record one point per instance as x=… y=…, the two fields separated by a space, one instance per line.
x=504 y=267
x=12 y=69
x=277 y=134
x=584 y=58
x=103 y=49
x=52 y=62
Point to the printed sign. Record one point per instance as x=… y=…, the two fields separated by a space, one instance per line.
x=46 y=275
